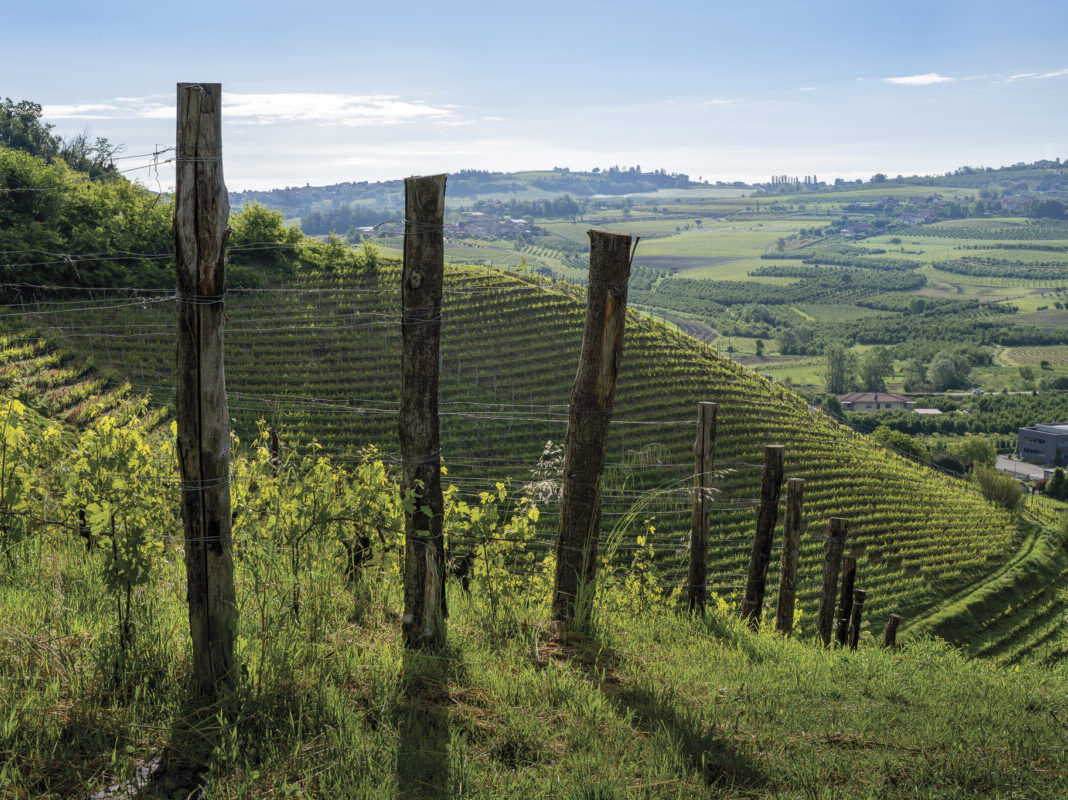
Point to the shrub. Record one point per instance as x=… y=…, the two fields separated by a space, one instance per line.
x=998 y=487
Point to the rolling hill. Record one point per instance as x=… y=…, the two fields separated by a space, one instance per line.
x=319 y=360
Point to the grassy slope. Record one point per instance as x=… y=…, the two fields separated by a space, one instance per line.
x=1017 y=612
x=655 y=706
x=323 y=363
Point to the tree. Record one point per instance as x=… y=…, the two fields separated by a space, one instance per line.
x=1057 y=486
x=833 y=407
x=841 y=366
x=788 y=342
x=262 y=245
x=949 y=371
x=21 y=128
x=917 y=305
x=760 y=348
x=95 y=157
x=1047 y=209
x=876 y=365
x=371 y=258
x=977 y=450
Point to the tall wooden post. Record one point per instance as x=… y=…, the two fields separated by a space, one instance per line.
x=855 y=614
x=890 y=632
x=767 y=514
x=201 y=210
x=791 y=539
x=704 y=450
x=832 y=563
x=587 y=427
x=420 y=435
x=845 y=599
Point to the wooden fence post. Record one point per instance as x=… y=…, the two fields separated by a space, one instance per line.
x=704 y=450
x=859 y=596
x=832 y=558
x=890 y=633
x=587 y=427
x=423 y=624
x=201 y=211
x=791 y=538
x=767 y=514
x=845 y=599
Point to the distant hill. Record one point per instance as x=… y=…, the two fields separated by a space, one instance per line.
x=468 y=185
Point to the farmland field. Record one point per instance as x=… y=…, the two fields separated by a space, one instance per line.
x=1057 y=355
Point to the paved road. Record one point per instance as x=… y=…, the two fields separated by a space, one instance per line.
x=1019 y=468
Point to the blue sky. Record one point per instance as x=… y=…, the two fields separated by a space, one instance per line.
x=318 y=92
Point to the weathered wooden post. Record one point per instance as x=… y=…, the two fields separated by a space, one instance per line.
x=890 y=632
x=845 y=599
x=420 y=435
x=767 y=514
x=832 y=560
x=704 y=450
x=791 y=539
x=859 y=596
x=587 y=427
x=201 y=210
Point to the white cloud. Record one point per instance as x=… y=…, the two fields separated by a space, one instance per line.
x=336 y=109
x=316 y=107
x=926 y=79
x=1038 y=76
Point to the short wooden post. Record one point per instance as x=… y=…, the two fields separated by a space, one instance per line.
x=791 y=539
x=890 y=632
x=704 y=449
x=845 y=599
x=201 y=210
x=854 y=617
x=767 y=514
x=423 y=624
x=587 y=427
x=832 y=561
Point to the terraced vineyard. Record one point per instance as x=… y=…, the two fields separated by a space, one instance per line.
x=1018 y=613
x=57 y=384
x=321 y=360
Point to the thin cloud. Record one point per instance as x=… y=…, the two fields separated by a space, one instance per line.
x=315 y=107
x=1038 y=76
x=926 y=79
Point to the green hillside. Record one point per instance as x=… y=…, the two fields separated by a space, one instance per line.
x=320 y=360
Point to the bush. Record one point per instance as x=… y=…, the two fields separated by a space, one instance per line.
x=901 y=442
x=947 y=462
x=998 y=487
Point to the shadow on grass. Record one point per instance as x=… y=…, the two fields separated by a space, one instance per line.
x=705 y=750
x=423 y=723
x=657 y=710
